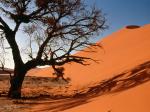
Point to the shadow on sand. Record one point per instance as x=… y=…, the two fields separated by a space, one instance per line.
x=134 y=77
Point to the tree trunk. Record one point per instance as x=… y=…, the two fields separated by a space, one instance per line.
x=16 y=84
x=19 y=71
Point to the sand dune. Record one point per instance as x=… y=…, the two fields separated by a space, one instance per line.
x=121 y=51
x=126 y=51
x=120 y=82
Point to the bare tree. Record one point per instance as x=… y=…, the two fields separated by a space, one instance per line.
x=55 y=27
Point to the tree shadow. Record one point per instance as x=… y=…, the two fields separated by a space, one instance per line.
x=123 y=81
x=126 y=80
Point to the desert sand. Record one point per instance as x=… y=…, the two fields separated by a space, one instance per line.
x=121 y=51
x=118 y=83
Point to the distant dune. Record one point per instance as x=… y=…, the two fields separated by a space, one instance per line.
x=6 y=71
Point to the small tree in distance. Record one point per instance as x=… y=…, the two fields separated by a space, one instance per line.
x=54 y=29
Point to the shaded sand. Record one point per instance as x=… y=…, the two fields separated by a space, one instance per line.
x=122 y=97
x=133 y=100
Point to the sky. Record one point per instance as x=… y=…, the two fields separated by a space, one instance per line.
x=120 y=13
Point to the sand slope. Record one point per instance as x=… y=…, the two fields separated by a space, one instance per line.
x=121 y=51
x=126 y=51
x=119 y=83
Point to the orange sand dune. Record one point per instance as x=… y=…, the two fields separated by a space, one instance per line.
x=121 y=51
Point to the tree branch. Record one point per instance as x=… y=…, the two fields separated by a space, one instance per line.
x=4 y=23
x=17 y=27
x=1 y=27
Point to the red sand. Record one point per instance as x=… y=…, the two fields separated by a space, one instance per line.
x=121 y=51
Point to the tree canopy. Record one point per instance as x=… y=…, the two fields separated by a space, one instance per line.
x=56 y=27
